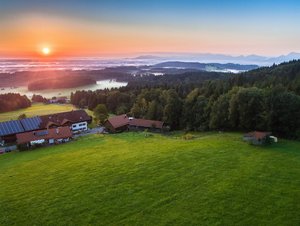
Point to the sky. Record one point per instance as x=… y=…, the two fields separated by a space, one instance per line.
x=124 y=27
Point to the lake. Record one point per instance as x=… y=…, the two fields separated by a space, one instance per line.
x=103 y=84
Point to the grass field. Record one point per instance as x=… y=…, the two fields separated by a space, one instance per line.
x=130 y=179
x=36 y=109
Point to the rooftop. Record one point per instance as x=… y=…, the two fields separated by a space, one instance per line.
x=123 y=120
x=258 y=134
x=55 y=133
x=146 y=123
x=119 y=120
x=42 y=122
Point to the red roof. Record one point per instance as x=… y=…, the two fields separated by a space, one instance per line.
x=118 y=121
x=56 y=133
x=146 y=123
x=258 y=135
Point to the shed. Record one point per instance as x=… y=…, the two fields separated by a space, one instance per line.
x=257 y=137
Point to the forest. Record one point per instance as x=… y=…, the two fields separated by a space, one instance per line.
x=13 y=101
x=67 y=82
x=263 y=99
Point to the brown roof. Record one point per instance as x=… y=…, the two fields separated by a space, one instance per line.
x=56 y=133
x=258 y=135
x=146 y=123
x=61 y=118
x=123 y=120
x=118 y=121
x=65 y=121
x=49 y=124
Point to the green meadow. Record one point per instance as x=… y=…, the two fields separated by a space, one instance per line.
x=133 y=179
x=35 y=110
x=38 y=109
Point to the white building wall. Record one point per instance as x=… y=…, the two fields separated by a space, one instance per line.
x=37 y=142
x=81 y=126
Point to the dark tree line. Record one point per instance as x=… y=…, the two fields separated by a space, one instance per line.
x=13 y=101
x=58 y=83
x=264 y=99
x=39 y=99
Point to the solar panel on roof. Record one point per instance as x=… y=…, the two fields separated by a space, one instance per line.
x=41 y=133
x=31 y=123
x=10 y=127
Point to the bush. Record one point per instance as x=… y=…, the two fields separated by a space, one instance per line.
x=147 y=134
x=188 y=136
x=22 y=147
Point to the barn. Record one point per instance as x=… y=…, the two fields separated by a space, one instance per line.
x=143 y=124
x=117 y=123
x=122 y=123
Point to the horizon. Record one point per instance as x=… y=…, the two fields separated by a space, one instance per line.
x=111 y=56
x=127 y=28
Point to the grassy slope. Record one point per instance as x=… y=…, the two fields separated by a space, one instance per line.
x=36 y=109
x=127 y=179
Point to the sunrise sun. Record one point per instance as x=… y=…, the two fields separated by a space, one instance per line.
x=46 y=51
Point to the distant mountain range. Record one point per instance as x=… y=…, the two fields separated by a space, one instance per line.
x=221 y=58
x=229 y=67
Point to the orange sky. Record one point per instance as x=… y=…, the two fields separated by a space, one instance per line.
x=28 y=35
x=100 y=32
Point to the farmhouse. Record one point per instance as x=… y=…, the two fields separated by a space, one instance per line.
x=77 y=121
x=49 y=136
x=122 y=123
x=58 y=100
x=256 y=137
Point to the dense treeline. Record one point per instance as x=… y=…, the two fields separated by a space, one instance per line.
x=13 y=101
x=173 y=80
x=287 y=74
x=39 y=99
x=68 y=82
x=23 y=78
x=264 y=99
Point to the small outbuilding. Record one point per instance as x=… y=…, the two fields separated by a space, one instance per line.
x=258 y=137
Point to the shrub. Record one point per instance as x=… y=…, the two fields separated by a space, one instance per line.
x=188 y=136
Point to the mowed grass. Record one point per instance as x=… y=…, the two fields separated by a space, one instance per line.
x=130 y=179
x=36 y=110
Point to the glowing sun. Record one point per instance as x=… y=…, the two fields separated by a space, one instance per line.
x=46 y=51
